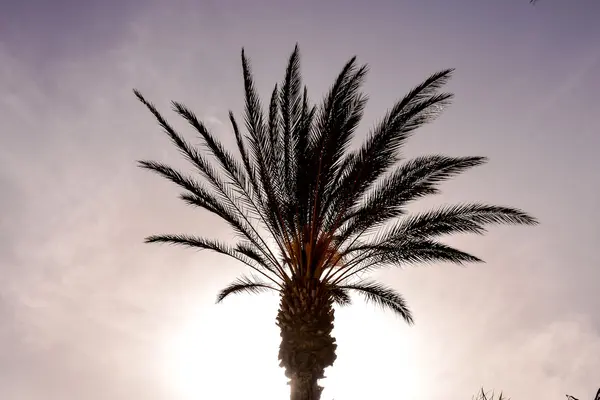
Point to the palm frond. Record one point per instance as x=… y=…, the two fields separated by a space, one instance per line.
x=227 y=161
x=255 y=124
x=299 y=200
x=408 y=252
x=179 y=142
x=261 y=203
x=420 y=106
x=412 y=180
x=244 y=285
x=381 y=149
x=216 y=246
x=234 y=171
x=340 y=296
x=382 y=296
x=198 y=196
x=246 y=161
x=227 y=202
x=185 y=182
x=274 y=122
x=424 y=251
x=290 y=104
x=240 y=225
x=239 y=222
x=190 y=153
x=255 y=252
x=253 y=110
x=339 y=115
x=205 y=168
x=462 y=218
x=260 y=149
x=336 y=124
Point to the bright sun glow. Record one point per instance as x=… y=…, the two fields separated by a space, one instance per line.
x=230 y=351
x=227 y=351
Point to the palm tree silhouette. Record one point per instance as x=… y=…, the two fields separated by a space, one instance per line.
x=597 y=397
x=483 y=395
x=331 y=214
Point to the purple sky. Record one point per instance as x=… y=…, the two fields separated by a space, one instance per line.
x=89 y=312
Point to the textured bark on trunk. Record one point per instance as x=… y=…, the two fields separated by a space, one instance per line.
x=306 y=319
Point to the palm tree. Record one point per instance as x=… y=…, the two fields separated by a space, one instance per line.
x=597 y=397
x=482 y=395
x=329 y=213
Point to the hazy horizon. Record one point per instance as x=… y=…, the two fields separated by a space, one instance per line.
x=87 y=311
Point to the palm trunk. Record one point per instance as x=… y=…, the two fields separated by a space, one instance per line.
x=306 y=318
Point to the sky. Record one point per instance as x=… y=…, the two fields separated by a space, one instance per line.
x=87 y=311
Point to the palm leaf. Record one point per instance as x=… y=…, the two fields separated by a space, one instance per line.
x=187 y=183
x=290 y=104
x=260 y=149
x=299 y=198
x=382 y=296
x=228 y=163
x=380 y=151
x=232 y=168
x=249 y=167
x=227 y=205
x=414 y=179
x=336 y=124
x=463 y=218
x=200 y=197
x=244 y=285
x=408 y=252
x=216 y=246
x=340 y=296
x=194 y=156
x=190 y=153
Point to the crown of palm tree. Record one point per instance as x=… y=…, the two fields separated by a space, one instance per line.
x=331 y=212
